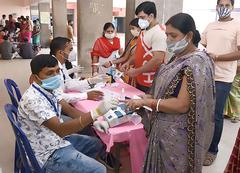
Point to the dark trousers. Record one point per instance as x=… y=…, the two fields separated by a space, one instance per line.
x=143 y=88
x=222 y=92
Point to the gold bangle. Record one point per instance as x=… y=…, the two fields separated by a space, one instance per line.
x=80 y=122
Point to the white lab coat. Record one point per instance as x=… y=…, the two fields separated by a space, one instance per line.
x=70 y=84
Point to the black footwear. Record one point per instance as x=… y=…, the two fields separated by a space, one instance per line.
x=110 y=162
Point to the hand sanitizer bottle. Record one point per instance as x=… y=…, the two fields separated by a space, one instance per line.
x=122 y=96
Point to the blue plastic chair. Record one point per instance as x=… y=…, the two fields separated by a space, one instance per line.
x=15 y=96
x=28 y=159
x=13 y=90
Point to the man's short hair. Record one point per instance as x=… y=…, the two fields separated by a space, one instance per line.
x=232 y=2
x=58 y=43
x=147 y=7
x=41 y=61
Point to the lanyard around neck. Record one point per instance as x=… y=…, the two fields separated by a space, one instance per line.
x=49 y=100
x=64 y=77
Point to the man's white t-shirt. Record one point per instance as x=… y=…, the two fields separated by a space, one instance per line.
x=155 y=38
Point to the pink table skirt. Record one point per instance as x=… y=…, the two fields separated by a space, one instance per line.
x=134 y=134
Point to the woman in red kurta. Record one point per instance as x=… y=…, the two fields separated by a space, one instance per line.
x=106 y=48
x=25 y=31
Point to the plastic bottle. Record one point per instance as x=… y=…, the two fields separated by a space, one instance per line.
x=113 y=71
x=122 y=95
x=135 y=118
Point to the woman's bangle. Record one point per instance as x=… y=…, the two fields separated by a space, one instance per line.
x=158 y=103
x=80 y=122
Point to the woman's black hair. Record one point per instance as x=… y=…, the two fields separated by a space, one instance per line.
x=134 y=22
x=41 y=61
x=232 y=2
x=106 y=26
x=185 y=24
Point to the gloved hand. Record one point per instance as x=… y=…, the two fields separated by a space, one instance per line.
x=104 y=107
x=101 y=126
x=98 y=79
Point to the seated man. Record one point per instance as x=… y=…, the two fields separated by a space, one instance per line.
x=7 y=49
x=26 y=50
x=60 y=48
x=53 y=141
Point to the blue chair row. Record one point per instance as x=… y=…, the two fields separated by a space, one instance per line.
x=25 y=161
x=15 y=96
x=12 y=89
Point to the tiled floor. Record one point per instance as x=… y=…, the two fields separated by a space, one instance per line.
x=19 y=70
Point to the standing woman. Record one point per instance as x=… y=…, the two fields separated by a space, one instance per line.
x=232 y=106
x=182 y=98
x=128 y=52
x=25 y=30
x=36 y=35
x=130 y=46
x=106 y=48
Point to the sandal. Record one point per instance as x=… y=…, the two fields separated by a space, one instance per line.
x=209 y=159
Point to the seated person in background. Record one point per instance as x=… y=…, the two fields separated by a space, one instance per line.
x=26 y=50
x=7 y=49
x=54 y=142
x=2 y=33
x=105 y=49
x=60 y=48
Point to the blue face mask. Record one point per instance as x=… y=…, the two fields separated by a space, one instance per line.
x=51 y=83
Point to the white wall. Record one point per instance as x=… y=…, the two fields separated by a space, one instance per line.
x=19 y=7
x=204 y=11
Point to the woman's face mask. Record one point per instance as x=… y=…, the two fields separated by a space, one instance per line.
x=135 y=32
x=51 y=83
x=223 y=12
x=177 y=47
x=109 y=36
